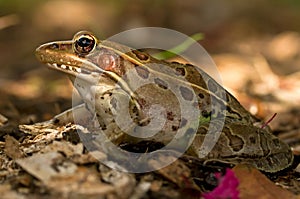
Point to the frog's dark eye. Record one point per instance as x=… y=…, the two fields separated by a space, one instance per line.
x=84 y=43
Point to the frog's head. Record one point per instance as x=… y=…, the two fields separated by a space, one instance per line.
x=97 y=68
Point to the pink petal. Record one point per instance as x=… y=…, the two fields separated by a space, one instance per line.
x=227 y=188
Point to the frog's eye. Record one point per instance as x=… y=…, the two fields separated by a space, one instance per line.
x=84 y=43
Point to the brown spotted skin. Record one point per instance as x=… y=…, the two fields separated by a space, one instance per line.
x=110 y=76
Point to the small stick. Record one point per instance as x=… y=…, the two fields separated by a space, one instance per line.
x=268 y=122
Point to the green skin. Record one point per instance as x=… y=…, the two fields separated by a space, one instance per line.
x=106 y=74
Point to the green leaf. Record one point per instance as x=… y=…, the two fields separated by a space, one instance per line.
x=173 y=52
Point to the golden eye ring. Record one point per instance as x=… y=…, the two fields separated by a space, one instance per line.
x=84 y=43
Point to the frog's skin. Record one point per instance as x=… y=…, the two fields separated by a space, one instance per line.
x=106 y=75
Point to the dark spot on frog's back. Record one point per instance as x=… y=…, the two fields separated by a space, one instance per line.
x=252 y=139
x=201 y=96
x=212 y=86
x=162 y=84
x=180 y=71
x=142 y=71
x=189 y=65
x=205 y=113
x=183 y=122
x=140 y=55
x=186 y=93
x=170 y=115
x=189 y=132
x=175 y=128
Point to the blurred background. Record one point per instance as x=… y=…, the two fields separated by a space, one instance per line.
x=255 y=45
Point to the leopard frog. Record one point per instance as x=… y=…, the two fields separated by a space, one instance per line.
x=116 y=82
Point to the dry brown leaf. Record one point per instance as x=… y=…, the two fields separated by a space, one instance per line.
x=254 y=184
x=12 y=149
x=46 y=166
x=85 y=183
x=65 y=147
x=177 y=172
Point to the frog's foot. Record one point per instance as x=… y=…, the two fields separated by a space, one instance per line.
x=78 y=115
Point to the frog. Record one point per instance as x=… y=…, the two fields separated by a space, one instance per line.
x=133 y=97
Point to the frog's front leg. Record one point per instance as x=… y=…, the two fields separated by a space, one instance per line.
x=78 y=115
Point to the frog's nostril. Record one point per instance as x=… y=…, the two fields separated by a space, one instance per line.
x=54 y=46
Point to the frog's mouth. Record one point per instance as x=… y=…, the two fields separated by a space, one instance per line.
x=94 y=77
x=69 y=69
x=91 y=77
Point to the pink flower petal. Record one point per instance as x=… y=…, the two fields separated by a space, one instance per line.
x=227 y=188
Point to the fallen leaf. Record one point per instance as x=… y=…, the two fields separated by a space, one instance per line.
x=46 y=166
x=12 y=149
x=254 y=184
